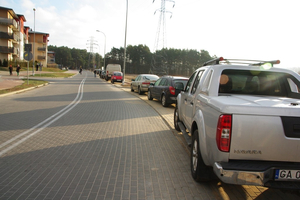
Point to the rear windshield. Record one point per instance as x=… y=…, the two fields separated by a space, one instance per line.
x=151 y=77
x=183 y=81
x=117 y=74
x=259 y=83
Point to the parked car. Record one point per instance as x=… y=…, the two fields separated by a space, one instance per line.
x=142 y=82
x=166 y=89
x=116 y=77
x=103 y=73
x=110 y=68
x=242 y=121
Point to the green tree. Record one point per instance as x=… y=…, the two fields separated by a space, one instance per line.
x=139 y=58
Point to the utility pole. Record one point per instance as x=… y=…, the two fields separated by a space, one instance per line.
x=158 y=62
x=91 y=44
x=160 y=40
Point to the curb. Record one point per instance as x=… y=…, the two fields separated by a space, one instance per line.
x=24 y=90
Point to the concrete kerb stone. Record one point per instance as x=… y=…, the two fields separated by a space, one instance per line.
x=27 y=89
x=24 y=90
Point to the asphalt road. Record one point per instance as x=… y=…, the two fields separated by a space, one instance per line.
x=84 y=138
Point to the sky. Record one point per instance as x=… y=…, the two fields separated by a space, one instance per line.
x=256 y=29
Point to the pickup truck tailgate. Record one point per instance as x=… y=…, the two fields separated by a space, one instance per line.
x=263 y=137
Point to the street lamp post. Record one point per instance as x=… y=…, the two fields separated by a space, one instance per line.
x=33 y=40
x=125 y=43
x=104 y=45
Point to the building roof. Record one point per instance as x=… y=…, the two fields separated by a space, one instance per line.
x=22 y=16
x=32 y=32
x=11 y=11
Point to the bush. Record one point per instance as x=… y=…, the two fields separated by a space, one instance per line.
x=5 y=63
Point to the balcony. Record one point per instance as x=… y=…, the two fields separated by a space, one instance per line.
x=41 y=48
x=10 y=22
x=41 y=57
x=9 y=36
x=8 y=50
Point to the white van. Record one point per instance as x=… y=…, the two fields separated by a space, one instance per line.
x=110 y=68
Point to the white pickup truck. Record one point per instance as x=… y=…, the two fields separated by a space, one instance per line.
x=242 y=123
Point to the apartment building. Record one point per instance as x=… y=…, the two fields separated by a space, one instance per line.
x=10 y=34
x=39 y=43
x=14 y=35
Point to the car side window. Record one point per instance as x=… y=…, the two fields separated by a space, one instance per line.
x=189 y=83
x=157 y=82
x=162 y=82
x=138 y=78
x=196 y=82
x=167 y=82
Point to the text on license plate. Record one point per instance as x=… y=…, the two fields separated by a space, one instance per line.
x=283 y=174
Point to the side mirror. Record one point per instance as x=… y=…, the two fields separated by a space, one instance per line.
x=152 y=84
x=132 y=79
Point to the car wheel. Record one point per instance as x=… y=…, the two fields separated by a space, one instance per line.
x=131 y=89
x=164 y=101
x=149 y=95
x=112 y=82
x=200 y=172
x=176 y=119
x=140 y=91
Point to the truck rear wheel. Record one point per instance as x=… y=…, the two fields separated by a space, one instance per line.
x=200 y=172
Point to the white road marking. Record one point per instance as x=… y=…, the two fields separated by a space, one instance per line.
x=51 y=120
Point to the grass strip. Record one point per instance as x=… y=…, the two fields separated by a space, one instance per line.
x=31 y=83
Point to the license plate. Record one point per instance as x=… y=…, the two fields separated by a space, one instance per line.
x=284 y=174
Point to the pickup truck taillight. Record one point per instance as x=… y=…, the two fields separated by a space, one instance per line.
x=224 y=133
x=172 y=90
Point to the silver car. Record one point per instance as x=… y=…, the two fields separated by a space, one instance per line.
x=141 y=82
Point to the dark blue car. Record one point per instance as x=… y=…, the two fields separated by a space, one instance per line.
x=166 y=89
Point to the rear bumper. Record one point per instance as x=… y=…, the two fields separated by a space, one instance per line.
x=144 y=88
x=173 y=99
x=254 y=173
x=239 y=177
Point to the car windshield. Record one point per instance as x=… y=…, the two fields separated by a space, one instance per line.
x=151 y=77
x=118 y=74
x=259 y=83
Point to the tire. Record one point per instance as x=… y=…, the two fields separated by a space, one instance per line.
x=112 y=82
x=140 y=91
x=200 y=172
x=149 y=95
x=164 y=101
x=176 y=119
x=131 y=89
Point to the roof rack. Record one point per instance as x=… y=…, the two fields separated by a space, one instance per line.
x=220 y=60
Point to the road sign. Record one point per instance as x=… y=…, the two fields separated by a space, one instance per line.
x=28 y=56
x=28 y=47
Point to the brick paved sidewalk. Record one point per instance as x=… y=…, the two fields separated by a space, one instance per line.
x=7 y=81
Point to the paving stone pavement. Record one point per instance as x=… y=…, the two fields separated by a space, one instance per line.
x=110 y=145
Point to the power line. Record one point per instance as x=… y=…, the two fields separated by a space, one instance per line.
x=158 y=64
x=160 y=38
